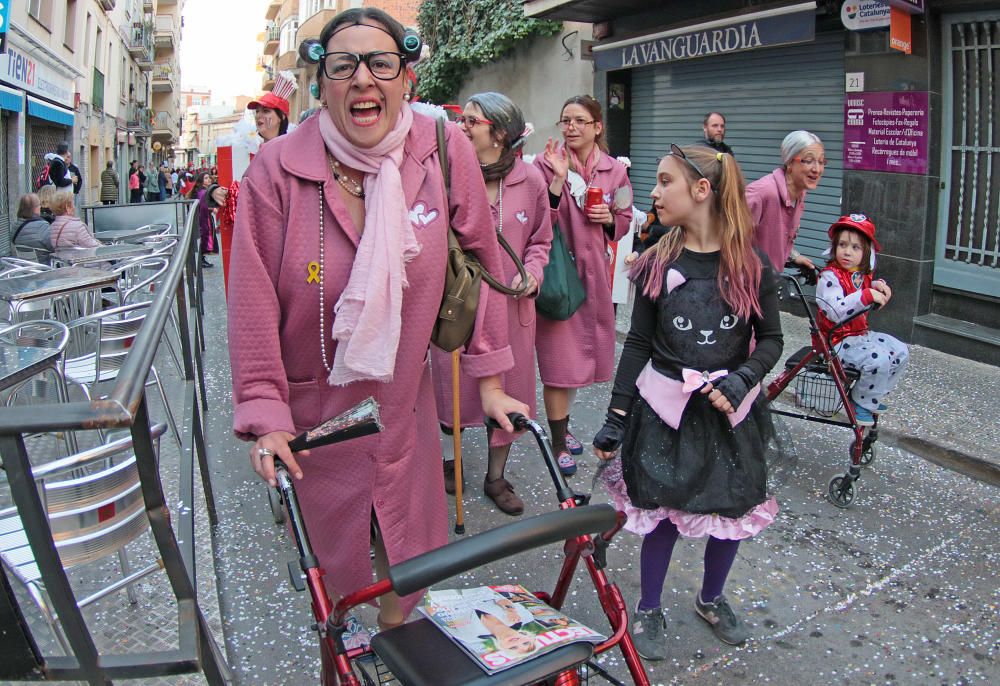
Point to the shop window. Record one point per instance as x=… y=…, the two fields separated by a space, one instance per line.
x=41 y=11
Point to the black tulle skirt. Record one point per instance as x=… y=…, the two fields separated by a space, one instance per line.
x=705 y=466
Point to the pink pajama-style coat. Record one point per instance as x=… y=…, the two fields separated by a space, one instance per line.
x=279 y=379
x=528 y=229
x=581 y=350
x=776 y=218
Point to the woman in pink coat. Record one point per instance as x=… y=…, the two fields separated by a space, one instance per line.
x=496 y=128
x=337 y=276
x=580 y=351
x=68 y=230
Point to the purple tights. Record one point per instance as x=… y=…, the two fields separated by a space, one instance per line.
x=654 y=559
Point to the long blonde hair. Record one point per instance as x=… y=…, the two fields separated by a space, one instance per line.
x=739 y=265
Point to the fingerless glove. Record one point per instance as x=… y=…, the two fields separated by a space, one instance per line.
x=612 y=434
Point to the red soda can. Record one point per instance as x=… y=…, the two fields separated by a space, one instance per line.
x=595 y=196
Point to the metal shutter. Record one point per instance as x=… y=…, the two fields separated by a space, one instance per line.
x=764 y=94
x=43 y=138
x=5 y=214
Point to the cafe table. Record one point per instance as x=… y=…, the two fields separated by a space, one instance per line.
x=63 y=282
x=131 y=235
x=79 y=257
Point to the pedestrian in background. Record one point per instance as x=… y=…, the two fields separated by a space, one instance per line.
x=778 y=200
x=152 y=186
x=59 y=174
x=76 y=175
x=109 y=184
x=714 y=128
x=32 y=230
x=686 y=410
x=135 y=184
x=198 y=191
x=68 y=230
x=497 y=130
x=580 y=351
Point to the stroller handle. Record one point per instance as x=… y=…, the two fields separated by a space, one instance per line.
x=468 y=553
x=522 y=423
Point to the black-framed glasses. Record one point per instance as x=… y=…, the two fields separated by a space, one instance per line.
x=676 y=151
x=383 y=65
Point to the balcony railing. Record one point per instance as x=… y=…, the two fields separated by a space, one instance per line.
x=140 y=117
x=271 y=38
x=97 y=98
x=140 y=43
x=162 y=77
x=165 y=34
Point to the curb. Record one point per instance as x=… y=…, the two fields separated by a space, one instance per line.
x=956 y=460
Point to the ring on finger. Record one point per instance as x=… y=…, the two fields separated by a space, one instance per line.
x=265 y=452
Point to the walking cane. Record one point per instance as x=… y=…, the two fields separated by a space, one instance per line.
x=456 y=435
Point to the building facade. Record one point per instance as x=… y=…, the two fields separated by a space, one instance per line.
x=908 y=135
x=79 y=72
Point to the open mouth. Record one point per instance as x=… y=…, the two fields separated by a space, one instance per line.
x=366 y=112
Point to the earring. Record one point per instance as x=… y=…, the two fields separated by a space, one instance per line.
x=406 y=97
x=495 y=144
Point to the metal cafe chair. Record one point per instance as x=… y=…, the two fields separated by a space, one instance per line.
x=99 y=344
x=95 y=509
x=40 y=333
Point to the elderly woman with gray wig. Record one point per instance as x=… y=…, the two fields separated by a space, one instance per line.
x=520 y=210
x=778 y=200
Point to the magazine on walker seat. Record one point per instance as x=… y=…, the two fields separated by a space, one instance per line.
x=502 y=626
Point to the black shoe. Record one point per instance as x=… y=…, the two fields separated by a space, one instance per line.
x=647 y=634
x=719 y=614
x=449 y=477
x=206 y=263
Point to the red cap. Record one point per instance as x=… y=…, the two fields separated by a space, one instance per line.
x=270 y=101
x=859 y=223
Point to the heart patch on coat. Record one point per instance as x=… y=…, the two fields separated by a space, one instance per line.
x=420 y=216
x=522 y=217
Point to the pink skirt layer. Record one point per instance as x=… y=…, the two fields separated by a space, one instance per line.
x=689 y=525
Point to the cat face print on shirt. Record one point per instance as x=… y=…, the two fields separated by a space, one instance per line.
x=699 y=326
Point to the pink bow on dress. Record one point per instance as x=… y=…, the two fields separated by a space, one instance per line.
x=694 y=380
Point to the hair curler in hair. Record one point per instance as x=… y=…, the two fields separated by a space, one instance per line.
x=311 y=50
x=412 y=45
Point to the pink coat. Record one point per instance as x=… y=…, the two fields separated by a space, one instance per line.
x=581 y=350
x=279 y=380
x=528 y=229
x=776 y=218
x=71 y=232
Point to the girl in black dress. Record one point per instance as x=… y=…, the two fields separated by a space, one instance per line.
x=683 y=410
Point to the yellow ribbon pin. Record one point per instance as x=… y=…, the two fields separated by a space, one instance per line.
x=313 y=268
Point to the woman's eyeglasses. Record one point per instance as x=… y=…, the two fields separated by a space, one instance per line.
x=384 y=66
x=470 y=121
x=676 y=151
x=577 y=123
x=811 y=161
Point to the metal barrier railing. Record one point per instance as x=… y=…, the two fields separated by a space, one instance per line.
x=124 y=407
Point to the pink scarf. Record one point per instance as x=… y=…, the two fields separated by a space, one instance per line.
x=367 y=316
x=586 y=170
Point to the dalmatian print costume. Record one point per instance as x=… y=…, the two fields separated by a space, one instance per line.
x=879 y=357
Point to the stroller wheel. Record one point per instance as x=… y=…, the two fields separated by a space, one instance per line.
x=277 y=506
x=841 y=491
x=868 y=456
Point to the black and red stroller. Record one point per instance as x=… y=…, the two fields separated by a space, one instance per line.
x=821 y=387
x=418 y=653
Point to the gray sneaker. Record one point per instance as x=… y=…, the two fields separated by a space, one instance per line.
x=727 y=626
x=647 y=633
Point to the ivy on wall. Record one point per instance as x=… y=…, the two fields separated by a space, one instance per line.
x=463 y=34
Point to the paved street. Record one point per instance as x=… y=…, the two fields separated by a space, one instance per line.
x=899 y=589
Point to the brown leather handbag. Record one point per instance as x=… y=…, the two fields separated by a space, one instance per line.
x=463 y=275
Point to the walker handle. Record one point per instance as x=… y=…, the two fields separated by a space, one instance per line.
x=521 y=423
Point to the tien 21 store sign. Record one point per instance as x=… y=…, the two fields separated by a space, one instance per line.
x=887 y=132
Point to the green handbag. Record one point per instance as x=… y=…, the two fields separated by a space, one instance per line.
x=562 y=291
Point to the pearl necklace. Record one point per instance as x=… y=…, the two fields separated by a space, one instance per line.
x=346 y=182
x=322 y=325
